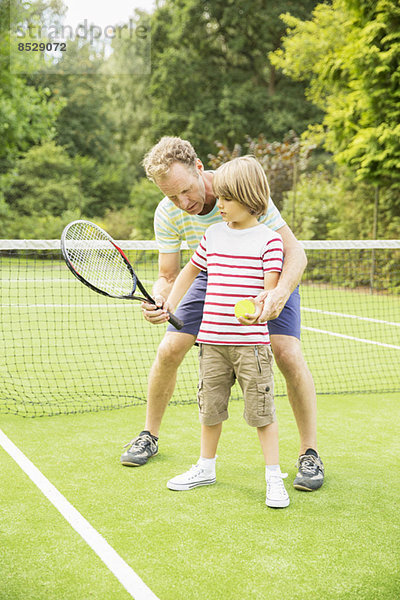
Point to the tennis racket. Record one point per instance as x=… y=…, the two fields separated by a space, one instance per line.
x=96 y=260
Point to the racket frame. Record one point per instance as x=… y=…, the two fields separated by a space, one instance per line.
x=175 y=321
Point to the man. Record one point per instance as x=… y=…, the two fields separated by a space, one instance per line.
x=188 y=209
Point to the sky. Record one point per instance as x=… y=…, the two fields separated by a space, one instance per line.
x=103 y=13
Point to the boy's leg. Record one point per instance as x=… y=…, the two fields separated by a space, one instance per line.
x=276 y=495
x=269 y=441
x=203 y=472
x=285 y=342
x=216 y=380
x=253 y=369
x=210 y=435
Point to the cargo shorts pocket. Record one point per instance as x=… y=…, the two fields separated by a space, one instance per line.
x=265 y=399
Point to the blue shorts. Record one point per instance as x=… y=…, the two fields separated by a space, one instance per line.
x=191 y=308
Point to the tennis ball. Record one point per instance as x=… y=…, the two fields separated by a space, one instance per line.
x=244 y=306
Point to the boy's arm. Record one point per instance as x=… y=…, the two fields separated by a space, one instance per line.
x=181 y=286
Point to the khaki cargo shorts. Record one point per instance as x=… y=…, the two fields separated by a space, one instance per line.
x=220 y=366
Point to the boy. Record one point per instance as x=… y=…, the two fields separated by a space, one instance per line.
x=242 y=258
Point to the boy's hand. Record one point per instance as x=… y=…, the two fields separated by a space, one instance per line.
x=251 y=318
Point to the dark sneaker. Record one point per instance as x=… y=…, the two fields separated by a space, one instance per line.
x=310 y=474
x=140 y=450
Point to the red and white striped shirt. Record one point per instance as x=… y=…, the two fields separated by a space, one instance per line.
x=236 y=261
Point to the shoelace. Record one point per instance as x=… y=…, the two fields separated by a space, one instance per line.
x=307 y=464
x=194 y=470
x=275 y=481
x=142 y=441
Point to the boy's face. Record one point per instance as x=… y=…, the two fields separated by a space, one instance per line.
x=233 y=212
x=184 y=187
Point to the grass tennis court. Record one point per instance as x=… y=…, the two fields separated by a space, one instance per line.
x=217 y=542
x=67 y=348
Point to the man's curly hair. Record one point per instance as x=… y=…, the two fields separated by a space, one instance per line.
x=167 y=151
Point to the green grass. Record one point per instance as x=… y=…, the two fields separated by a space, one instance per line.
x=214 y=543
x=340 y=542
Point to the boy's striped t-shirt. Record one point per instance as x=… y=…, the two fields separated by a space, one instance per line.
x=236 y=261
x=173 y=225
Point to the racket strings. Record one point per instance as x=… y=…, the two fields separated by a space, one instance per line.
x=93 y=256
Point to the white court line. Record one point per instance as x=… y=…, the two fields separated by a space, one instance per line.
x=36 y=280
x=346 y=316
x=350 y=337
x=47 y=305
x=122 y=571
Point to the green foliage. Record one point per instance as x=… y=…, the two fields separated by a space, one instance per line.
x=281 y=161
x=105 y=186
x=85 y=124
x=311 y=208
x=335 y=207
x=27 y=116
x=144 y=199
x=130 y=98
x=326 y=205
x=133 y=221
x=73 y=144
x=27 y=112
x=211 y=78
x=349 y=53
x=38 y=226
x=44 y=182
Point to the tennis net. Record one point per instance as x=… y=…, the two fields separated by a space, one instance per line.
x=66 y=349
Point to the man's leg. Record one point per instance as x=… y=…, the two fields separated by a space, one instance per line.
x=161 y=385
x=162 y=379
x=302 y=397
x=300 y=387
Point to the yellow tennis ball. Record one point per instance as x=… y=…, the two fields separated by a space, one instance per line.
x=244 y=306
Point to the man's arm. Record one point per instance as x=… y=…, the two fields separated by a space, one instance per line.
x=295 y=261
x=271 y=279
x=168 y=271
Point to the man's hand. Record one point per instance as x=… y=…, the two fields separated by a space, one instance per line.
x=274 y=301
x=155 y=313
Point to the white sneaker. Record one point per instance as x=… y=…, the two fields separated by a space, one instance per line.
x=197 y=475
x=277 y=496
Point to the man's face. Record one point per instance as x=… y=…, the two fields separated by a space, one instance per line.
x=184 y=187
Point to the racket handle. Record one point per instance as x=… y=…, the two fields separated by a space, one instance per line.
x=177 y=323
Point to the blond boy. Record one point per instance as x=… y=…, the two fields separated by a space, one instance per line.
x=242 y=258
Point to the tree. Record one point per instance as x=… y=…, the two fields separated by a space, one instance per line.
x=44 y=181
x=349 y=55
x=127 y=81
x=282 y=161
x=27 y=113
x=211 y=76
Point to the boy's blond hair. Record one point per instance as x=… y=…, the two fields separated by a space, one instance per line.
x=243 y=179
x=167 y=151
